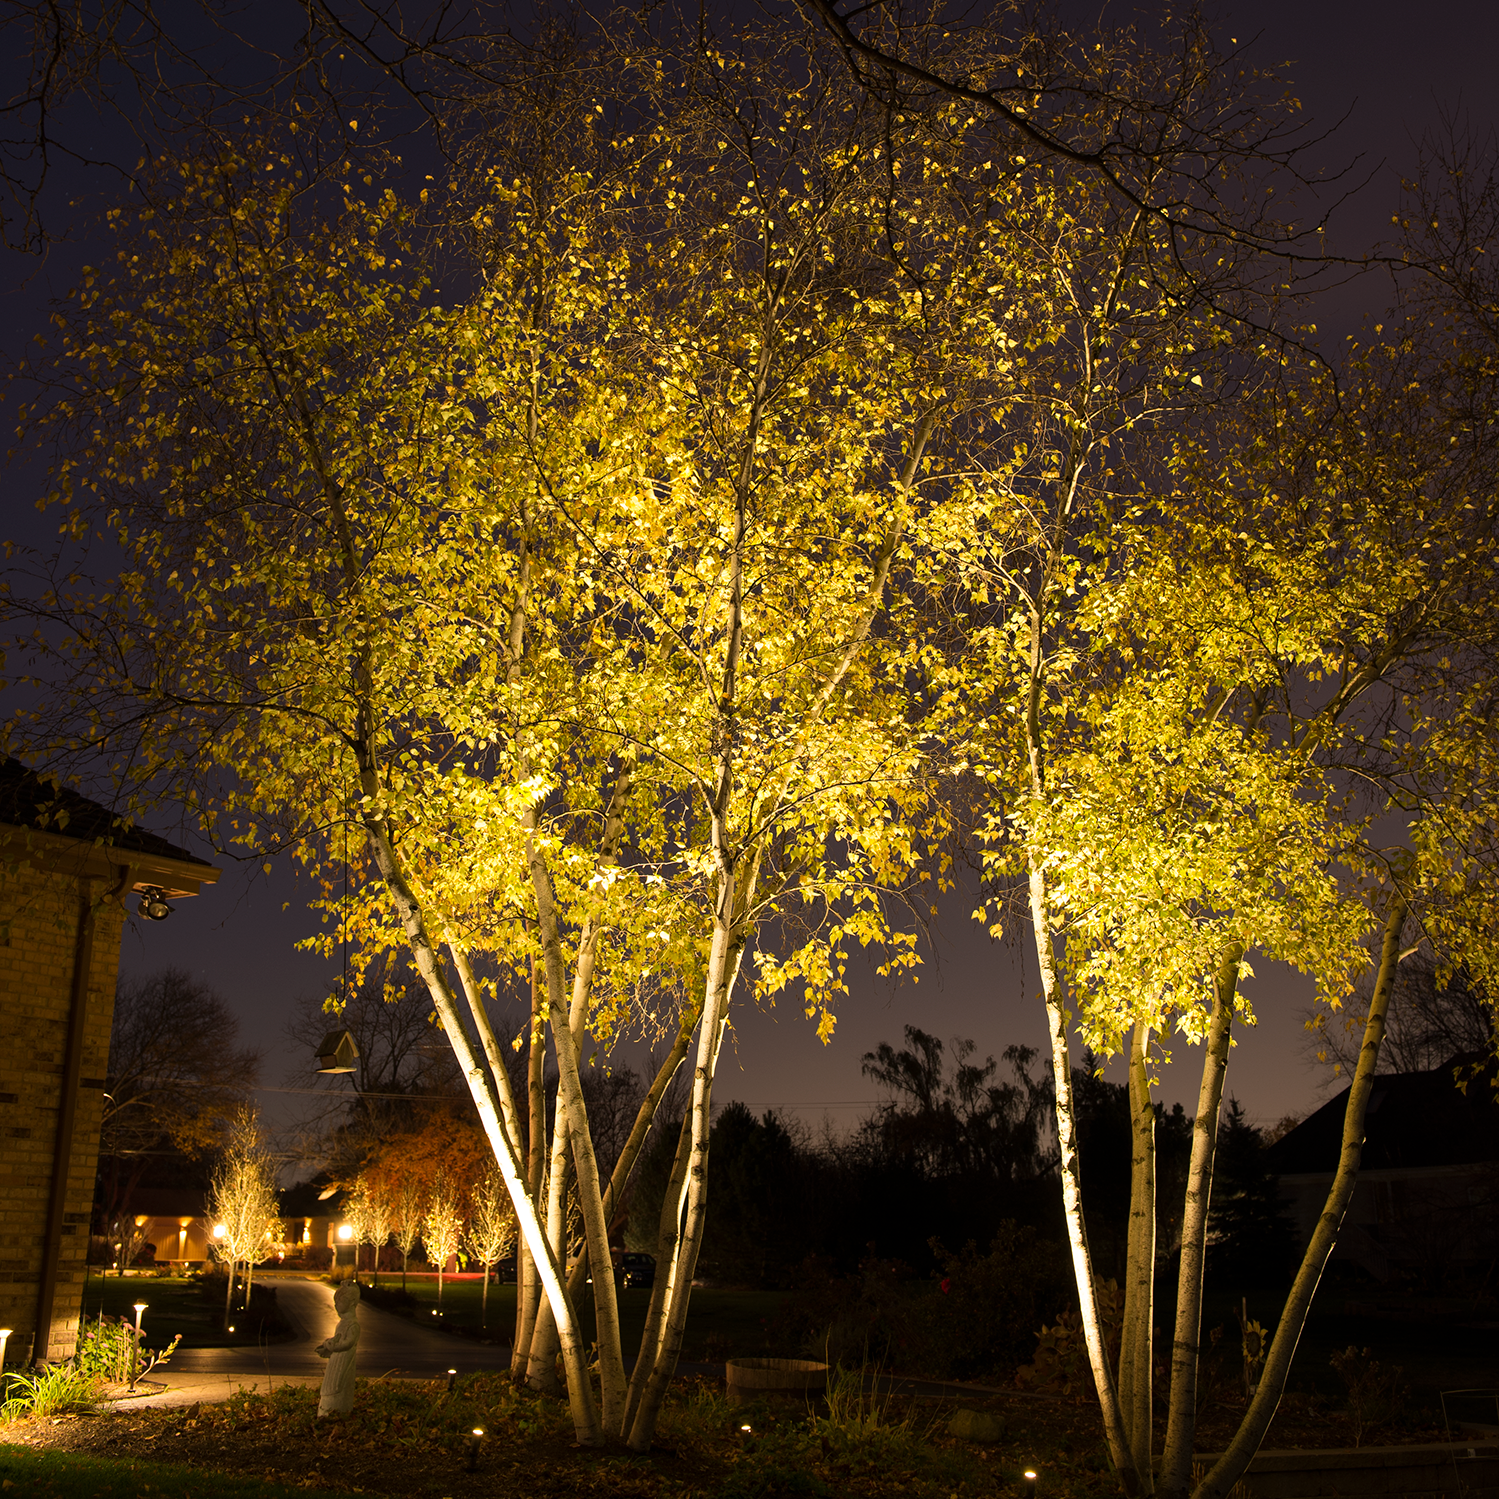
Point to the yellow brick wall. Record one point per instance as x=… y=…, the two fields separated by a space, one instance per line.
x=39 y=916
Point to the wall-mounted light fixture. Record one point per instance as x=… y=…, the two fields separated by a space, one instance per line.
x=153 y=904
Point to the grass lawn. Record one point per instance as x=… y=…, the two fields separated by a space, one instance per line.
x=70 y=1474
x=173 y=1305
x=720 y=1323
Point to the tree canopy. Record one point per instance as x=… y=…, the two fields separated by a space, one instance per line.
x=629 y=560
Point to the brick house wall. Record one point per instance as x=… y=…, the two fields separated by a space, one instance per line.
x=38 y=960
x=62 y=913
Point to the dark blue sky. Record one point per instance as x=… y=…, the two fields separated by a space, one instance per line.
x=1394 y=71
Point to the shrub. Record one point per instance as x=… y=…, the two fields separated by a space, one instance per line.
x=989 y=1305
x=1376 y=1392
x=388 y=1299
x=1060 y=1365
x=314 y=1257
x=855 y=1319
x=979 y=1319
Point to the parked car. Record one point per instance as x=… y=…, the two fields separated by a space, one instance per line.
x=639 y=1270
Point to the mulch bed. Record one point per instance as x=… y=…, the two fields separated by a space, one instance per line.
x=408 y=1438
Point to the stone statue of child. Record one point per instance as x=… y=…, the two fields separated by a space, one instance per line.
x=338 y=1381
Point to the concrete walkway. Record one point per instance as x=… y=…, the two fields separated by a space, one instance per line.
x=390 y=1347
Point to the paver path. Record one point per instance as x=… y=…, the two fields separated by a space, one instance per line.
x=389 y=1346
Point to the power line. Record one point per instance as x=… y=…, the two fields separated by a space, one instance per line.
x=352 y=1095
x=759 y=1103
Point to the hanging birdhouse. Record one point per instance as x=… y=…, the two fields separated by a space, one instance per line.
x=337 y=1052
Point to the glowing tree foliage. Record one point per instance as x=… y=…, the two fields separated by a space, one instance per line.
x=620 y=621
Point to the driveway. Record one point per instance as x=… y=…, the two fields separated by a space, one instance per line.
x=390 y=1347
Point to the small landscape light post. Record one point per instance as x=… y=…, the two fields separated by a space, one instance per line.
x=135 y=1361
x=475 y=1438
x=452 y=1379
x=1030 y=1483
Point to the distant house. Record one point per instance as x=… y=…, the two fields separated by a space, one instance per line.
x=311 y=1214
x=1427 y=1199
x=174 y=1221
x=66 y=867
x=177 y=1224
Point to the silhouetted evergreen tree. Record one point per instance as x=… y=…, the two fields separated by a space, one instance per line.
x=1251 y=1239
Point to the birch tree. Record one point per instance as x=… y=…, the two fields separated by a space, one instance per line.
x=491 y=1229
x=579 y=606
x=1251 y=685
x=408 y=1208
x=371 y=1215
x=242 y=1198
x=443 y=1225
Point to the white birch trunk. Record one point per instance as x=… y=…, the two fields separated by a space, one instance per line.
x=1181 y=1420
x=541 y=1362
x=1136 y=1346
x=1120 y=1453
x=580 y=1391
x=527 y=1283
x=667 y=1237
x=1234 y=1463
x=685 y=1206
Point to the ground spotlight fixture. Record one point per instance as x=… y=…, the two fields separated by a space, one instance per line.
x=153 y=905
x=475 y=1438
x=452 y=1379
x=1030 y=1483
x=5 y=1333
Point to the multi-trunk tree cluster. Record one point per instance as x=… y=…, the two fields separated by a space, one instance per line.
x=640 y=549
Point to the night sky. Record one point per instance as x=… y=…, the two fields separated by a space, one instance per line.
x=1396 y=71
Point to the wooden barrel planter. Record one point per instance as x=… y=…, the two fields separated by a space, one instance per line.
x=752 y=1378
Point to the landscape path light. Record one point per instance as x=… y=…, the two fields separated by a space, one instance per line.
x=5 y=1333
x=475 y=1438
x=1030 y=1483
x=135 y=1358
x=452 y=1379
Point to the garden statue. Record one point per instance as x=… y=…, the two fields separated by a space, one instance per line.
x=337 y=1397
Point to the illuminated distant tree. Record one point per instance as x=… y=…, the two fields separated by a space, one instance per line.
x=443 y=1225
x=491 y=1228
x=242 y=1199
x=128 y=1237
x=408 y=1211
x=371 y=1215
